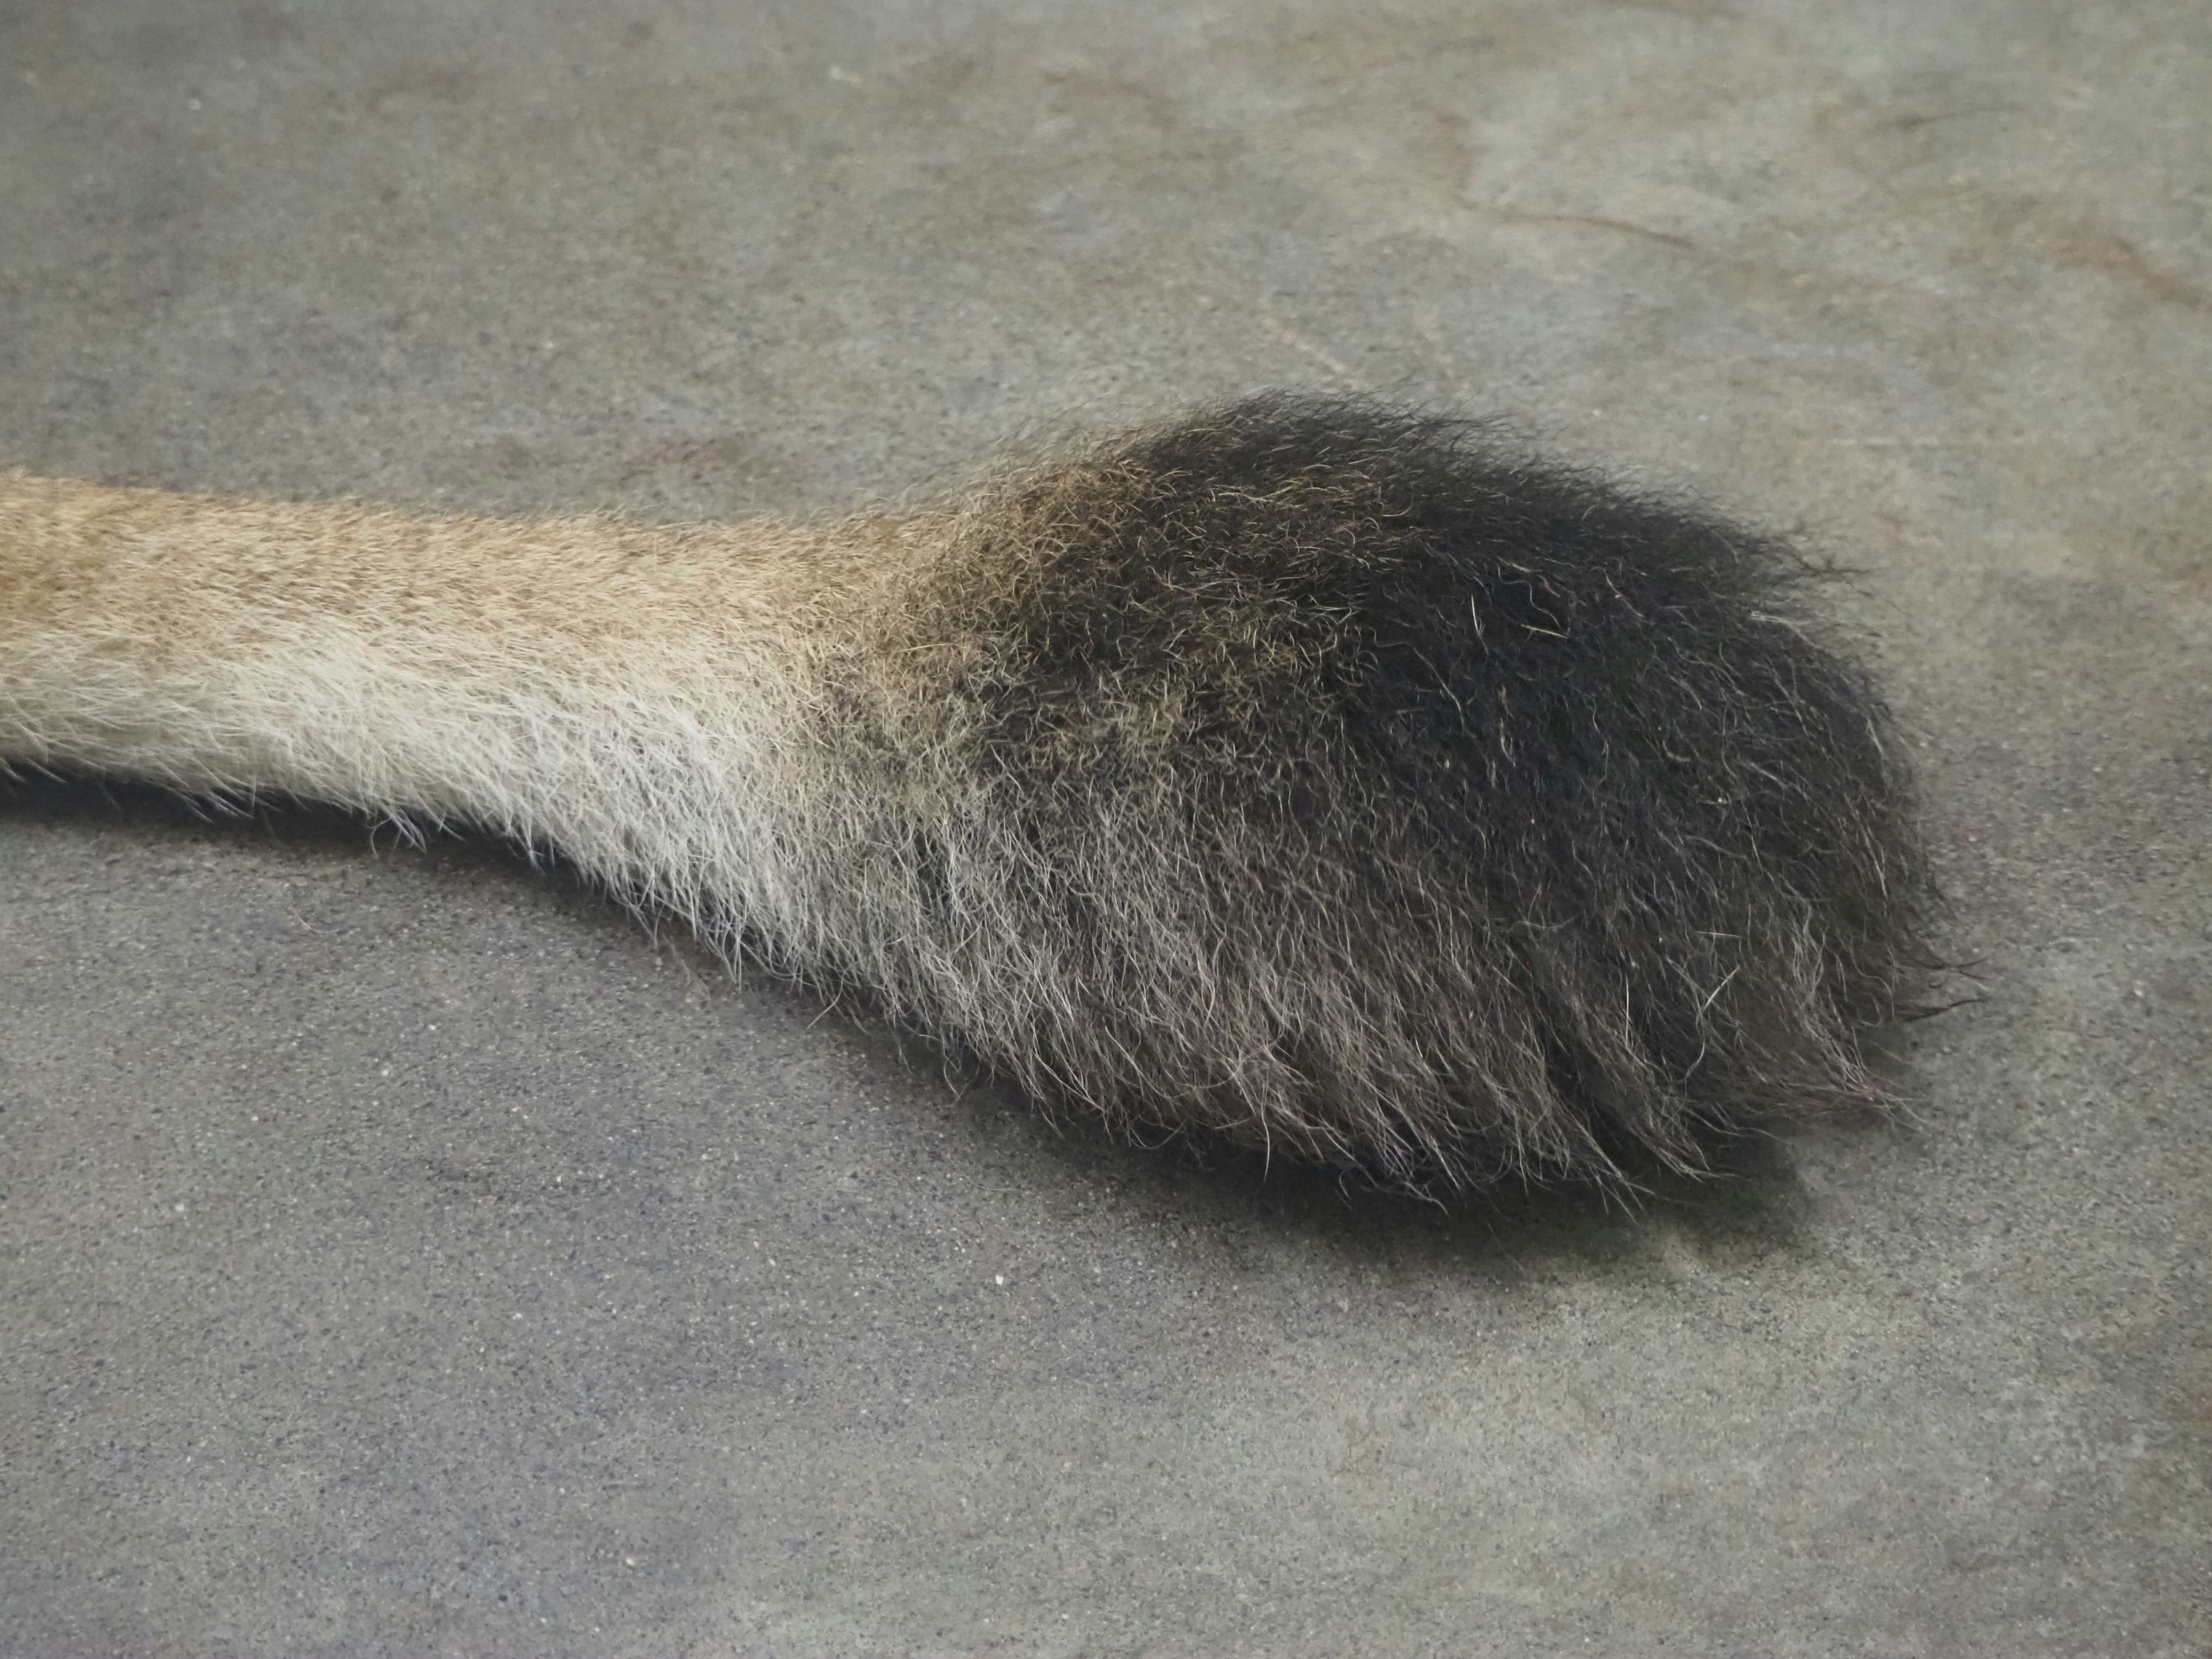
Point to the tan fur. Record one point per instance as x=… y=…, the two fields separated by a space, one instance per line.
x=545 y=680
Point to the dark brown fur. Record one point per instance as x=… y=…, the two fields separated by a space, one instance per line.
x=1386 y=797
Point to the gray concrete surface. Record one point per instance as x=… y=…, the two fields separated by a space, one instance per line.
x=405 y=1253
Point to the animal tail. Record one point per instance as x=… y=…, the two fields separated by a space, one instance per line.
x=1328 y=777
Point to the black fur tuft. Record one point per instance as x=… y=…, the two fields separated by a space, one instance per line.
x=1343 y=782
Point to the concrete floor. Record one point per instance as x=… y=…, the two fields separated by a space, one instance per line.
x=406 y=1253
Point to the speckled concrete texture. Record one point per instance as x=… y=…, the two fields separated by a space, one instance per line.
x=406 y=1253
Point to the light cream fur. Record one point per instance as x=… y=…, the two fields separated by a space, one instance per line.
x=645 y=699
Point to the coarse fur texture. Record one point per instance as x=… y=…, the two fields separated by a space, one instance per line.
x=1326 y=776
